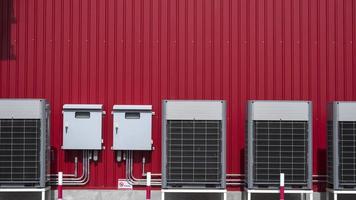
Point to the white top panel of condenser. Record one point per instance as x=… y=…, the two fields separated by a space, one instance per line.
x=280 y=110
x=194 y=109
x=346 y=111
x=22 y=108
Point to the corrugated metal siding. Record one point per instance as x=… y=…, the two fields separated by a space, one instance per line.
x=143 y=51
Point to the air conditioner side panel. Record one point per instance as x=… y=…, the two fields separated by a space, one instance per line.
x=44 y=151
x=310 y=145
x=164 y=146
x=223 y=146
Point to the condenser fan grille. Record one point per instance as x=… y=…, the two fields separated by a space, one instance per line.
x=194 y=152
x=347 y=151
x=20 y=151
x=280 y=147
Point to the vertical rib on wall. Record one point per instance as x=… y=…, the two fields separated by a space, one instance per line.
x=142 y=51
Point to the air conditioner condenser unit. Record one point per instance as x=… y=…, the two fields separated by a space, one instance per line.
x=24 y=142
x=279 y=140
x=193 y=144
x=342 y=145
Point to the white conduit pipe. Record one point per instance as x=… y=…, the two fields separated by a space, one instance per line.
x=134 y=180
x=158 y=174
x=83 y=170
x=69 y=175
x=157 y=182
x=86 y=178
x=230 y=181
x=83 y=179
x=129 y=176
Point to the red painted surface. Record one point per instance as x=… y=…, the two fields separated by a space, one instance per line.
x=143 y=51
x=281 y=193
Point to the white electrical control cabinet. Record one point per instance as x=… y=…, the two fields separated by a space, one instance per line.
x=82 y=126
x=132 y=127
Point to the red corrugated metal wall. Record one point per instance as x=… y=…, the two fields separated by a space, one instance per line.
x=143 y=51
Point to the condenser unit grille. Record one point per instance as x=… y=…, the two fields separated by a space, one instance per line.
x=280 y=147
x=194 y=152
x=20 y=151
x=347 y=152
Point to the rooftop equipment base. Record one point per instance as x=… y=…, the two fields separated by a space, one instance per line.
x=42 y=190
x=190 y=191
x=303 y=193
x=335 y=193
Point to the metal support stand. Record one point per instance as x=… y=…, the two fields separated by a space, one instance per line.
x=335 y=193
x=303 y=193
x=42 y=190
x=163 y=191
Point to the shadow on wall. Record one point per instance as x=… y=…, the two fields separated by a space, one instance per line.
x=6 y=19
x=322 y=168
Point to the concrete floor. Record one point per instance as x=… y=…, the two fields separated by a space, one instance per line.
x=156 y=195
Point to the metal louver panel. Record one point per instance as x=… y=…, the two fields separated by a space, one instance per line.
x=20 y=145
x=194 y=152
x=347 y=154
x=280 y=147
